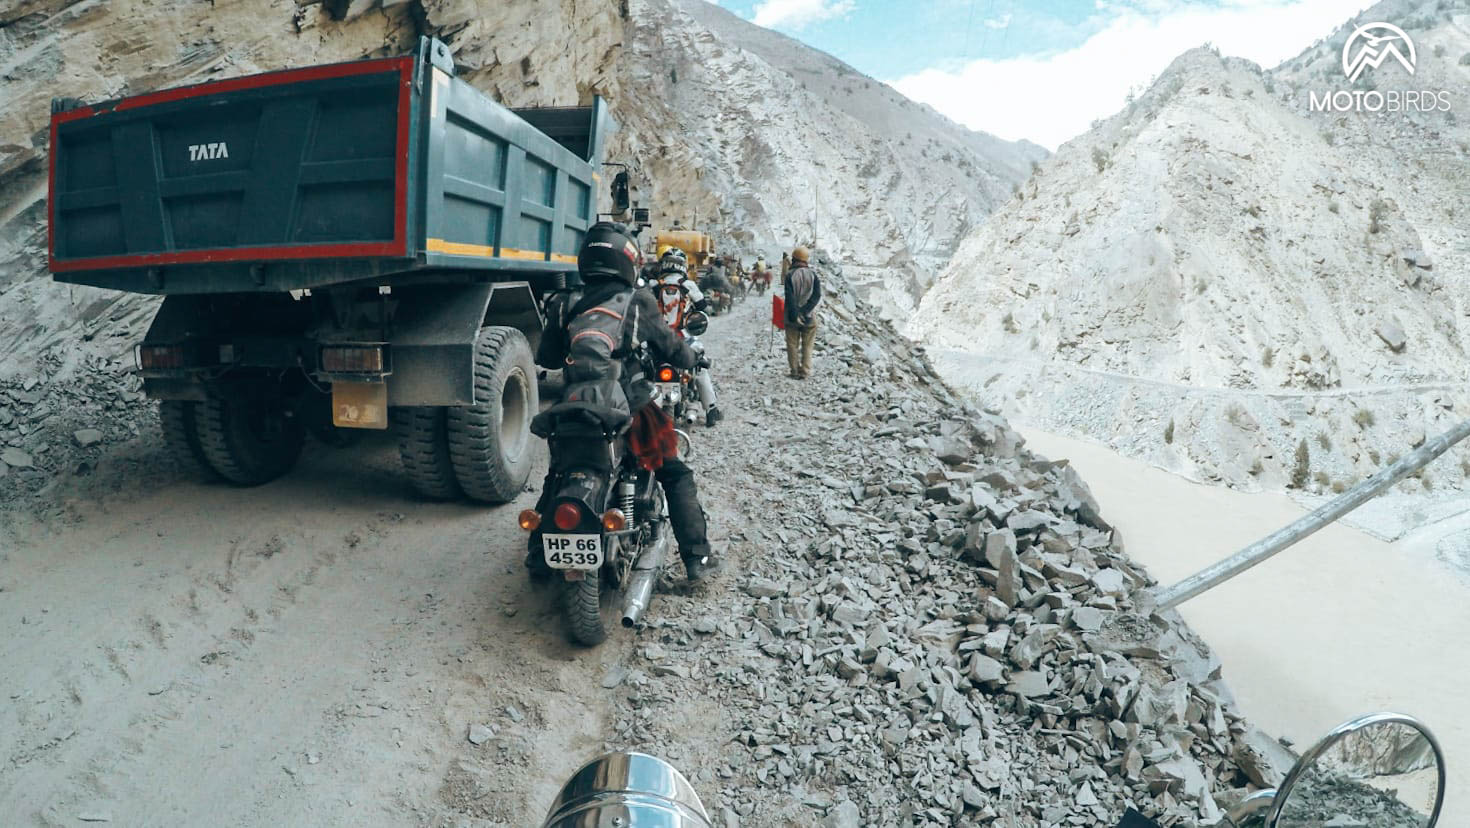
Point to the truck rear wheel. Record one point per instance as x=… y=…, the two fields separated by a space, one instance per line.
x=176 y=420
x=423 y=445
x=490 y=441
x=247 y=440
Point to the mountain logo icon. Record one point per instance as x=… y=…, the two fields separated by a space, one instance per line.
x=1372 y=44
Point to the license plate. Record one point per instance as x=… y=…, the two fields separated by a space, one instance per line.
x=359 y=405
x=573 y=551
x=670 y=391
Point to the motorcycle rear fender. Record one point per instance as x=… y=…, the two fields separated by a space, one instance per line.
x=590 y=490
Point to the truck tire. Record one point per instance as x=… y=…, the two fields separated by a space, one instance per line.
x=490 y=441
x=582 y=605
x=176 y=420
x=249 y=440
x=423 y=446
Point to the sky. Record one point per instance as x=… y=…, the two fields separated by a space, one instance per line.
x=1043 y=70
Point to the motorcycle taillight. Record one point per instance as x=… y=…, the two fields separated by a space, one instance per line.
x=568 y=517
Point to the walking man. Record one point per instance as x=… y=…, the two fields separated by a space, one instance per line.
x=803 y=295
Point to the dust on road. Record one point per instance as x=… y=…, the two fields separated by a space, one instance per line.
x=310 y=652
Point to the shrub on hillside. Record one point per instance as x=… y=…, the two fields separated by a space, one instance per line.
x=1301 y=472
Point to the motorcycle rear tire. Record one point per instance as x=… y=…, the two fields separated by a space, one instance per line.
x=582 y=605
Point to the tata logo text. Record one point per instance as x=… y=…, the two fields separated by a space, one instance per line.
x=208 y=152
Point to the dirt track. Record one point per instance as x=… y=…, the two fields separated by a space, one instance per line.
x=309 y=652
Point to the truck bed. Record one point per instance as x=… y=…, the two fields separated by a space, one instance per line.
x=319 y=176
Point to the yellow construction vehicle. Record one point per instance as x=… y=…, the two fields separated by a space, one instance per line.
x=699 y=247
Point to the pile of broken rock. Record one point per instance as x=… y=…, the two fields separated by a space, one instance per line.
x=938 y=628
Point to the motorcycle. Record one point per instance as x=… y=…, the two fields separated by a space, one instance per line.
x=606 y=527
x=1382 y=770
x=696 y=387
x=719 y=302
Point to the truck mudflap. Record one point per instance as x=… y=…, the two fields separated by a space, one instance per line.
x=434 y=334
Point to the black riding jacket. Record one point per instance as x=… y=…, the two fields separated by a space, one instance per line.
x=644 y=322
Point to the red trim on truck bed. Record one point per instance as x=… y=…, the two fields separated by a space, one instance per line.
x=396 y=248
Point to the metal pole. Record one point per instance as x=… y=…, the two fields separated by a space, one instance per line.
x=1321 y=516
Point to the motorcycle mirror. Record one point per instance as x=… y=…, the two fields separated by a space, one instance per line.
x=697 y=323
x=631 y=789
x=621 y=198
x=1384 y=770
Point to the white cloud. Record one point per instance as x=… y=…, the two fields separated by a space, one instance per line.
x=1049 y=99
x=794 y=14
x=1001 y=23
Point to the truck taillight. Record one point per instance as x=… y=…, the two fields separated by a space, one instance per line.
x=154 y=357
x=353 y=359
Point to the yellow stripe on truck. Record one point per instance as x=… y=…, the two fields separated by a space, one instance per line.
x=488 y=252
x=459 y=248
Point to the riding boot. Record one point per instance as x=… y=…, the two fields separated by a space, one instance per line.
x=706 y=387
x=687 y=518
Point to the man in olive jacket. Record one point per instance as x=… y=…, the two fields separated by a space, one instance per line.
x=803 y=295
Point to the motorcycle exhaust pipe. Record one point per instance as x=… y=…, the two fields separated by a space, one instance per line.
x=640 y=583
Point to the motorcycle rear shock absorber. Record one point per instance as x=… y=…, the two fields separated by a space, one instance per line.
x=627 y=499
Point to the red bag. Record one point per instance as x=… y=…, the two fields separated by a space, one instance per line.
x=778 y=311
x=652 y=438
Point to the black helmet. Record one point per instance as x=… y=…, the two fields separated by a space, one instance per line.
x=608 y=253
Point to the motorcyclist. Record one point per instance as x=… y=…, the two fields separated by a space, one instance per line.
x=677 y=296
x=760 y=274
x=717 y=280
x=608 y=266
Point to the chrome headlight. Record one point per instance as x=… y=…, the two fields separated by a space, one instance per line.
x=632 y=789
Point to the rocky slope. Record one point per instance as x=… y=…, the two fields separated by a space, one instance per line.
x=1210 y=279
x=933 y=625
x=771 y=142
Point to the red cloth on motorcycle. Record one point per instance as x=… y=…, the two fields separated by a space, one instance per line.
x=652 y=438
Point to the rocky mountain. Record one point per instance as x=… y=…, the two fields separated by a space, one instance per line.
x=771 y=142
x=1219 y=281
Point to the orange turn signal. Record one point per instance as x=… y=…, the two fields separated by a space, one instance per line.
x=666 y=374
x=613 y=520
x=530 y=520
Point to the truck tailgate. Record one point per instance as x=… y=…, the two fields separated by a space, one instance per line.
x=299 y=164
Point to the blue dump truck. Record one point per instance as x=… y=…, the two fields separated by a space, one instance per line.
x=360 y=245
